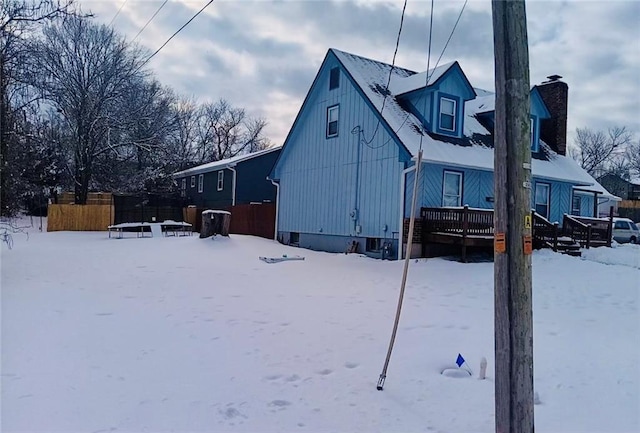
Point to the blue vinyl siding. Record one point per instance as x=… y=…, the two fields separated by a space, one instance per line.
x=478 y=185
x=210 y=197
x=323 y=180
x=560 y=196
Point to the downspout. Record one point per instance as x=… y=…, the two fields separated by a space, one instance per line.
x=277 y=185
x=402 y=196
x=233 y=186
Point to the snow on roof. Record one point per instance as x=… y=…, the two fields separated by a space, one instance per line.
x=475 y=150
x=635 y=177
x=224 y=163
x=400 y=85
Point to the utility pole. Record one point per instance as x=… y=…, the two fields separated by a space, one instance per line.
x=512 y=184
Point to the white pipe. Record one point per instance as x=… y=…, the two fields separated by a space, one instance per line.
x=402 y=194
x=233 y=186
x=277 y=185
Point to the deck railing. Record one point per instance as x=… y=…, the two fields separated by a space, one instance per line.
x=465 y=221
x=588 y=231
x=544 y=232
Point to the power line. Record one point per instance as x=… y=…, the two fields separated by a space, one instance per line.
x=426 y=80
x=177 y=31
x=118 y=13
x=451 y=34
x=393 y=63
x=150 y=19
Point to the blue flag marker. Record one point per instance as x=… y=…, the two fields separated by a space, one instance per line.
x=460 y=360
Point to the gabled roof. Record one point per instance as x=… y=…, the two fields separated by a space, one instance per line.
x=401 y=85
x=473 y=150
x=224 y=163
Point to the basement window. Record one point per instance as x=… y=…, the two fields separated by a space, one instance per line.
x=294 y=238
x=333 y=114
x=374 y=244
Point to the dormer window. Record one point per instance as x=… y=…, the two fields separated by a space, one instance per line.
x=448 y=115
x=334 y=78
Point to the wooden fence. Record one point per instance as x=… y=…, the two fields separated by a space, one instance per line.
x=92 y=198
x=246 y=219
x=76 y=217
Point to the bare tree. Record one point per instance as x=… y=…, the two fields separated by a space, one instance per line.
x=182 y=142
x=18 y=19
x=226 y=131
x=87 y=69
x=633 y=158
x=597 y=150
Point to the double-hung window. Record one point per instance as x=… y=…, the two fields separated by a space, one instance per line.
x=576 y=205
x=183 y=188
x=193 y=181
x=542 y=199
x=452 y=189
x=200 y=182
x=333 y=114
x=447 y=114
x=220 y=180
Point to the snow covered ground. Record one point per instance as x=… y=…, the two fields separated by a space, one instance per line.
x=183 y=334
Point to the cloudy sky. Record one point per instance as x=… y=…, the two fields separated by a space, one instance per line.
x=263 y=55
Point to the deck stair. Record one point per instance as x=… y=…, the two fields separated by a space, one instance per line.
x=567 y=245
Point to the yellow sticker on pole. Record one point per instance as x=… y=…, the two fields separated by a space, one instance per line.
x=500 y=244
x=527 y=222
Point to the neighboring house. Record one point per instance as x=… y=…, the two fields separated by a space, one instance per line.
x=345 y=172
x=229 y=182
x=625 y=189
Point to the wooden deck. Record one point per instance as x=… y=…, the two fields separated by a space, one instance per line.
x=469 y=227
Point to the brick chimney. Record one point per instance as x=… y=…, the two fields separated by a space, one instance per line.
x=553 y=131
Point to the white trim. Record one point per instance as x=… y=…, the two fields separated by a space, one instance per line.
x=220 y=185
x=535 y=198
x=403 y=178
x=277 y=185
x=331 y=109
x=455 y=107
x=460 y=176
x=200 y=182
x=233 y=186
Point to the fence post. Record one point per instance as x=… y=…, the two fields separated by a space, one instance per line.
x=555 y=236
x=588 y=236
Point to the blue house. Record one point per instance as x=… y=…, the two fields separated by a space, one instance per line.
x=229 y=182
x=346 y=169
